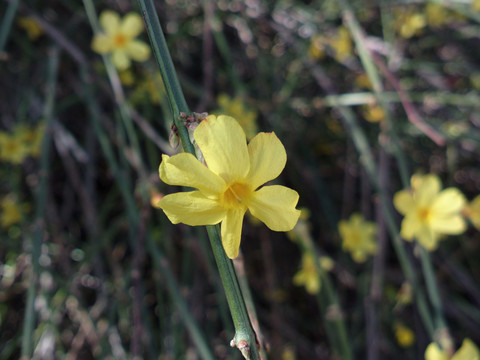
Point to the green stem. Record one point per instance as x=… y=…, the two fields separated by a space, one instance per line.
x=244 y=333
x=7 y=23
x=41 y=201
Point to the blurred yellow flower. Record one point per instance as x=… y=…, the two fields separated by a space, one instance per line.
x=308 y=275
x=237 y=109
x=475 y=5
x=429 y=211
x=227 y=185
x=119 y=39
x=316 y=49
x=10 y=212
x=437 y=15
x=404 y=335
x=23 y=141
x=342 y=44
x=472 y=212
x=373 y=113
x=358 y=237
x=31 y=26
x=409 y=23
x=468 y=351
x=362 y=81
x=12 y=149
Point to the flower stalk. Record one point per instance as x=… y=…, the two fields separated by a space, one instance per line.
x=244 y=339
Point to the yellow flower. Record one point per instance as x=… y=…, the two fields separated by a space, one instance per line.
x=30 y=137
x=236 y=108
x=12 y=149
x=373 y=113
x=475 y=5
x=429 y=212
x=119 y=39
x=10 y=212
x=316 y=49
x=227 y=186
x=32 y=27
x=342 y=44
x=409 y=23
x=472 y=212
x=437 y=15
x=358 y=237
x=405 y=336
x=468 y=351
x=308 y=275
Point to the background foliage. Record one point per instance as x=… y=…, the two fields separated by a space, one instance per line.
x=105 y=275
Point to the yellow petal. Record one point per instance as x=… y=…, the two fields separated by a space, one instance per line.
x=185 y=170
x=468 y=351
x=120 y=60
x=403 y=202
x=275 y=206
x=267 y=159
x=448 y=201
x=102 y=44
x=410 y=226
x=232 y=231
x=191 y=208
x=452 y=225
x=132 y=25
x=224 y=147
x=110 y=22
x=427 y=237
x=138 y=50
x=428 y=189
x=433 y=352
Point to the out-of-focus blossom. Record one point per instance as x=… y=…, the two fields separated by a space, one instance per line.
x=358 y=237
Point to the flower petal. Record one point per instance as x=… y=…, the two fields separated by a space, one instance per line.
x=427 y=237
x=275 y=206
x=191 y=208
x=404 y=202
x=185 y=170
x=120 y=59
x=267 y=159
x=468 y=351
x=224 y=147
x=102 y=44
x=433 y=352
x=138 y=50
x=427 y=189
x=110 y=22
x=450 y=200
x=411 y=224
x=452 y=225
x=232 y=231
x=132 y=25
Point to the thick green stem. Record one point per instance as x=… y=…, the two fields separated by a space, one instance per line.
x=244 y=339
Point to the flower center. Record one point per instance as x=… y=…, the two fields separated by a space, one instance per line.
x=424 y=214
x=235 y=196
x=120 y=40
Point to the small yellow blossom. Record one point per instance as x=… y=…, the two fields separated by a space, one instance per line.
x=358 y=237
x=472 y=212
x=229 y=184
x=437 y=15
x=31 y=26
x=373 y=113
x=10 y=212
x=475 y=5
x=308 y=275
x=409 y=23
x=468 y=351
x=362 y=81
x=31 y=137
x=12 y=149
x=429 y=211
x=404 y=335
x=119 y=39
x=237 y=109
x=316 y=49
x=342 y=44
